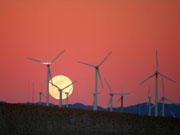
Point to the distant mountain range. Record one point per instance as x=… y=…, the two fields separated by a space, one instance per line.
x=171 y=110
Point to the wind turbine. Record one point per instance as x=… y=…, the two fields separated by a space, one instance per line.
x=40 y=96
x=60 y=92
x=164 y=98
x=111 y=95
x=121 y=98
x=48 y=73
x=67 y=95
x=149 y=102
x=97 y=73
x=156 y=83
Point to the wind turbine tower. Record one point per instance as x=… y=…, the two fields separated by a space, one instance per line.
x=149 y=102
x=97 y=73
x=156 y=83
x=94 y=95
x=48 y=73
x=67 y=95
x=164 y=98
x=40 y=96
x=121 y=98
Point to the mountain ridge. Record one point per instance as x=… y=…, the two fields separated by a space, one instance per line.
x=171 y=110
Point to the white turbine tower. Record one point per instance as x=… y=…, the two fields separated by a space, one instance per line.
x=67 y=95
x=149 y=102
x=121 y=98
x=111 y=96
x=156 y=83
x=48 y=73
x=60 y=91
x=94 y=95
x=164 y=98
x=97 y=73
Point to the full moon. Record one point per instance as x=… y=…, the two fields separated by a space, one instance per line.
x=61 y=81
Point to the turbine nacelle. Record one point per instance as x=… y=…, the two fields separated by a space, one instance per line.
x=47 y=63
x=67 y=93
x=156 y=73
x=96 y=67
x=111 y=94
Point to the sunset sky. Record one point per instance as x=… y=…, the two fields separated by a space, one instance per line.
x=88 y=30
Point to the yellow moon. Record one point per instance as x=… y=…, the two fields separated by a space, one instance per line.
x=61 y=81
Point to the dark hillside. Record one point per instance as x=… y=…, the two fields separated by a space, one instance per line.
x=18 y=119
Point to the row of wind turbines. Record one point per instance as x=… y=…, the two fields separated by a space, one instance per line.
x=156 y=74
x=162 y=99
x=98 y=75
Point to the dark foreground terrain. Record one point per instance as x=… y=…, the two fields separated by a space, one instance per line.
x=18 y=119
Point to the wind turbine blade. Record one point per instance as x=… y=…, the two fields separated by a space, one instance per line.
x=109 y=102
x=172 y=114
x=153 y=106
x=69 y=85
x=125 y=94
x=105 y=58
x=156 y=61
x=119 y=99
x=54 y=85
x=36 y=60
x=86 y=64
x=70 y=90
x=108 y=84
x=100 y=77
x=163 y=86
x=171 y=102
x=116 y=93
x=167 y=78
x=57 y=56
x=147 y=79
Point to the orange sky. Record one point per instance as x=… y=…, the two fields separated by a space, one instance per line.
x=88 y=30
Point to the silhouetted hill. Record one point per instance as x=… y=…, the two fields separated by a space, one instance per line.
x=23 y=119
